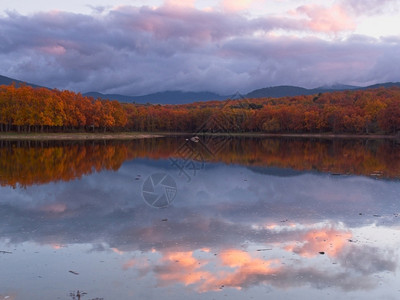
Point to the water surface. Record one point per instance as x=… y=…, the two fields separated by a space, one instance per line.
x=251 y=219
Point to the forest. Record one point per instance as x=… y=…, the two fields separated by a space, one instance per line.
x=27 y=109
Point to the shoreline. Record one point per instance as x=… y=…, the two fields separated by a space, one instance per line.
x=139 y=135
x=289 y=135
x=78 y=136
x=312 y=135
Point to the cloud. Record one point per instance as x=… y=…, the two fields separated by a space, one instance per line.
x=332 y=19
x=237 y=5
x=371 y=7
x=136 y=50
x=328 y=240
x=180 y=267
x=130 y=49
x=239 y=269
x=184 y=3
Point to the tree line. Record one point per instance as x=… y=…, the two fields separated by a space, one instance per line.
x=27 y=109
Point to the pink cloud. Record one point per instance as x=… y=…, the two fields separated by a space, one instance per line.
x=237 y=5
x=245 y=268
x=55 y=208
x=332 y=19
x=181 y=267
x=183 y=3
x=54 y=50
x=330 y=241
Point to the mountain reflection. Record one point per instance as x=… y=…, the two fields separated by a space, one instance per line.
x=27 y=163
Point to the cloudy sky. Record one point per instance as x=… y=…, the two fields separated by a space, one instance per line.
x=137 y=47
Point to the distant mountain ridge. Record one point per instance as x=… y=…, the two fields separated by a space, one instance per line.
x=180 y=97
x=291 y=91
x=168 y=97
x=7 y=81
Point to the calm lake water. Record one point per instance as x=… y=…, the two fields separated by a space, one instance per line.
x=243 y=219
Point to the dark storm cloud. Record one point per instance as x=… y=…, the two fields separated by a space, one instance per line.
x=137 y=50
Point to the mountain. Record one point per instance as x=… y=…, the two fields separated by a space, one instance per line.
x=168 y=97
x=7 y=81
x=339 y=87
x=120 y=98
x=278 y=91
x=291 y=91
x=179 y=97
x=379 y=85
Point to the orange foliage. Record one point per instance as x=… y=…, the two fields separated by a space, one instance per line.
x=27 y=163
x=369 y=111
x=36 y=109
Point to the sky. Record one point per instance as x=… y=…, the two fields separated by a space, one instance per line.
x=136 y=47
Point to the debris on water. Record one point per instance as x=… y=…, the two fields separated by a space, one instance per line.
x=164 y=220
x=77 y=295
x=73 y=272
x=283 y=221
x=376 y=173
x=321 y=252
x=5 y=252
x=266 y=249
x=351 y=241
x=360 y=214
x=378 y=216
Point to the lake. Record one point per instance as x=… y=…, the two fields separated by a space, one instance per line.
x=215 y=218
